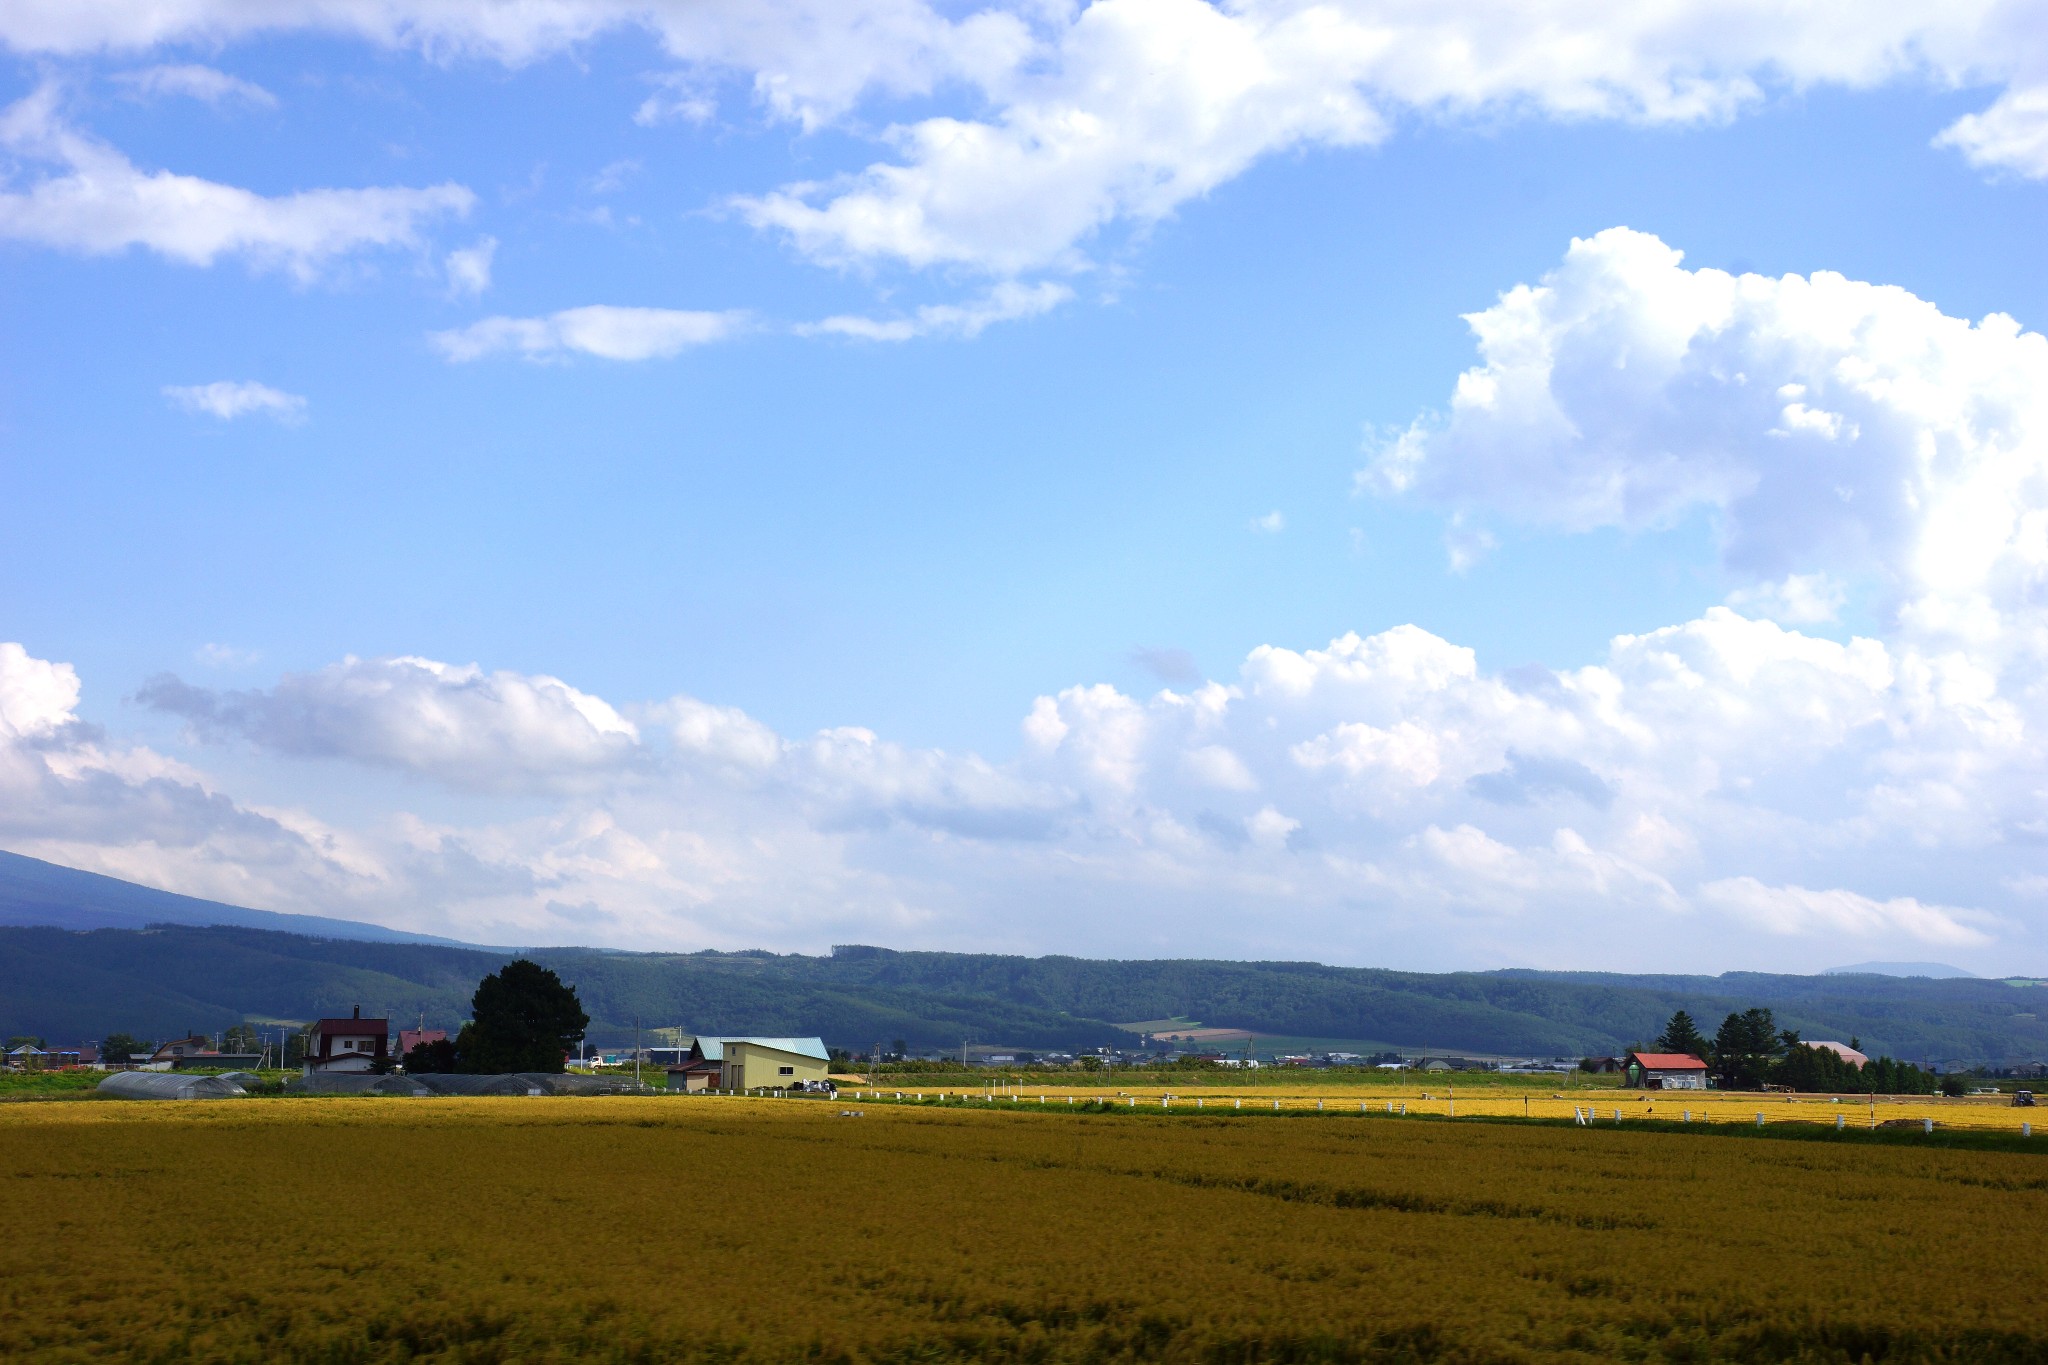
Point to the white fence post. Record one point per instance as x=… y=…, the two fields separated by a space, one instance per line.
x=1927 y=1125
x=1759 y=1120
x=1841 y=1120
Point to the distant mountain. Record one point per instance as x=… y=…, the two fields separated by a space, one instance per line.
x=1938 y=971
x=71 y=986
x=33 y=892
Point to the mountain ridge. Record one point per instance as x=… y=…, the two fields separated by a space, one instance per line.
x=73 y=981
x=35 y=893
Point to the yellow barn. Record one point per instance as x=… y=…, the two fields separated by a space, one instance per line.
x=769 y=1063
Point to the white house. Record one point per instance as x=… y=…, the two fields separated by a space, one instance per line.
x=352 y=1044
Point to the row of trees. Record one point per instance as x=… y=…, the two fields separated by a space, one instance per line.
x=1750 y=1051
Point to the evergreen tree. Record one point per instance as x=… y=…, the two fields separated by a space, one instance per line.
x=1682 y=1035
x=1744 y=1049
x=522 y=1018
x=437 y=1057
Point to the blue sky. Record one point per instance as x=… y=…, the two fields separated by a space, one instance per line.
x=787 y=631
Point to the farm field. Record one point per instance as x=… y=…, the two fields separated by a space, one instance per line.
x=1598 y=1104
x=661 y=1228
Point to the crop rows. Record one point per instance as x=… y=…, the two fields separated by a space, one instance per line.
x=737 y=1230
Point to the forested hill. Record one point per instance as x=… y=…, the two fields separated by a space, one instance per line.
x=70 y=986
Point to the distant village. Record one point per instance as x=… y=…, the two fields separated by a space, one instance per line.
x=528 y=1025
x=356 y=1044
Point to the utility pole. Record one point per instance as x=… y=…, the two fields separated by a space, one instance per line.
x=636 y=1051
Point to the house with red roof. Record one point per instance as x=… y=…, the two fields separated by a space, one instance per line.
x=410 y=1038
x=1663 y=1071
x=351 y=1044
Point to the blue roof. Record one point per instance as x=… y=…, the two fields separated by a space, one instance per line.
x=714 y=1048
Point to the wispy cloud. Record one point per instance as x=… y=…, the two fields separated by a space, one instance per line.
x=202 y=83
x=228 y=399
x=601 y=330
x=1003 y=303
x=95 y=200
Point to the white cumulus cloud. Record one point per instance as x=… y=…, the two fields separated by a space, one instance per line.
x=1837 y=428
x=475 y=729
x=1081 y=116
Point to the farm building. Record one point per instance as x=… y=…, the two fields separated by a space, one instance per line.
x=750 y=1063
x=1845 y=1052
x=352 y=1044
x=773 y=1063
x=1664 y=1071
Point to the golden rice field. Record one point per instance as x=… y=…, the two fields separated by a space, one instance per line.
x=732 y=1230
x=1977 y=1113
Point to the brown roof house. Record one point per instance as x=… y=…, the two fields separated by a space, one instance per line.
x=351 y=1044
x=1664 y=1071
x=167 y=1054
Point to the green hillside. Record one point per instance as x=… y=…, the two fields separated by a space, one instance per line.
x=68 y=985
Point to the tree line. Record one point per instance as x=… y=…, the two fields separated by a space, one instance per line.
x=1749 y=1051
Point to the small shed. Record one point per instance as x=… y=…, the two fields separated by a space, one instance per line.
x=1664 y=1071
x=700 y=1067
